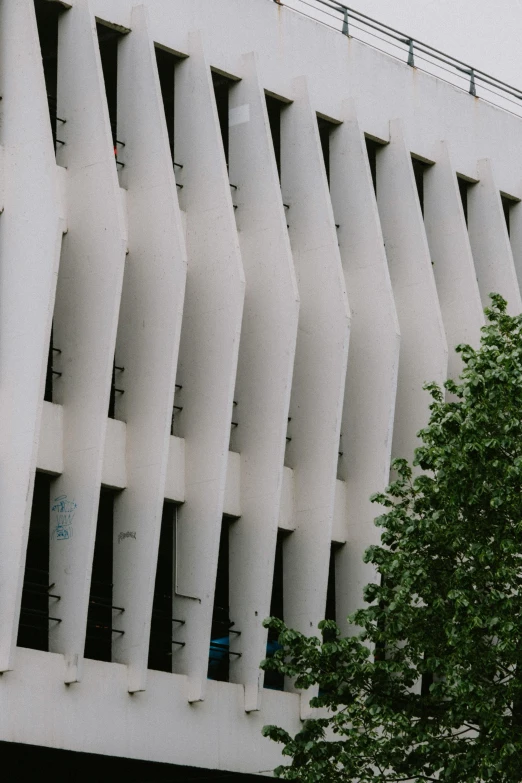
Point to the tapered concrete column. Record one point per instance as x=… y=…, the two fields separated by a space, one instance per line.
x=30 y=236
x=147 y=341
x=264 y=380
x=320 y=363
x=492 y=254
x=451 y=257
x=424 y=352
x=208 y=357
x=371 y=381
x=86 y=316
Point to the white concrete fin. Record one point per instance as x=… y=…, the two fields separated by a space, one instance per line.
x=175 y=481
x=30 y=238
x=423 y=355
x=147 y=342
x=320 y=362
x=208 y=356
x=264 y=376
x=450 y=252
x=490 y=245
x=371 y=383
x=50 y=444
x=86 y=315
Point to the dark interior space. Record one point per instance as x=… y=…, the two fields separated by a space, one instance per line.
x=507 y=204
x=331 y=611
x=98 y=642
x=166 y=63
x=464 y=187
x=222 y=85
x=222 y=625
x=372 y=148
x=274 y=680
x=37 y=595
x=116 y=390
x=108 y=40
x=51 y=373
x=274 y=108
x=162 y=623
x=419 y=169
x=325 y=129
x=29 y=762
x=47 y=15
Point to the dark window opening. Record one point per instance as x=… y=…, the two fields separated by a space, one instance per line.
x=98 y=642
x=372 y=149
x=222 y=85
x=115 y=389
x=325 y=129
x=47 y=16
x=38 y=597
x=331 y=612
x=108 y=40
x=419 y=169
x=274 y=108
x=166 y=62
x=274 y=680
x=162 y=623
x=219 y=653
x=464 y=186
x=507 y=204
x=51 y=372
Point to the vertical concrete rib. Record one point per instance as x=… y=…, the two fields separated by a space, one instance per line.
x=371 y=382
x=148 y=339
x=86 y=315
x=424 y=353
x=320 y=363
x=30 y=237
x=208 y=356
x=492 y=254
x=451 y=256
x=264 y=379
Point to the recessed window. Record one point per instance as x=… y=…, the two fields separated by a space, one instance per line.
x=47 y=20
x=274 y=108
x=275 y=680
x=222 y=85
x=325 y=130
x=102 y=613
x=108 y=40
x=222 y=626
x=464 y=187
x=419 y=170
x=372 y=150
x=166 y=63
x=38 y=596
x=163 y=625
x=507 y=205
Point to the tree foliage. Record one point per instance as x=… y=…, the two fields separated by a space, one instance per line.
x=431 y=688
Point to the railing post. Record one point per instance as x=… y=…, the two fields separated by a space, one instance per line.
x=345 y=22
x=472 y=86
x=411 y=60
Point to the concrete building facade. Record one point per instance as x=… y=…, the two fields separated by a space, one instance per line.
x=234 y=244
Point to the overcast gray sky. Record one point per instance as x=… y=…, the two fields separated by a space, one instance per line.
x=484 y=33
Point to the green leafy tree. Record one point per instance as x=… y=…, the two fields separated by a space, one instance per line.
x=431 y=688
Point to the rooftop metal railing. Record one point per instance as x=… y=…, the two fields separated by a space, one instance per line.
x=407 y=49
